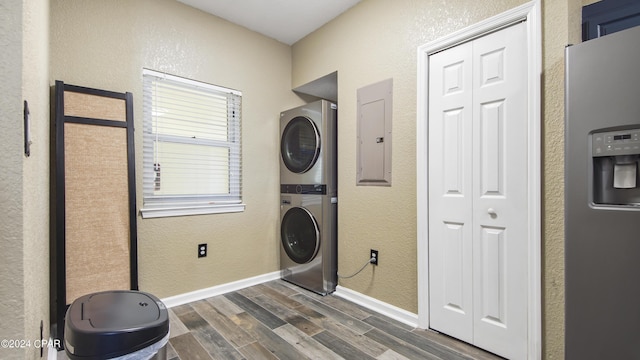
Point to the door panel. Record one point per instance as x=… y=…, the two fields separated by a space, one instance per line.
x=300 y=235
x=450 y=191
x=492 y=267
x=454 y=267
x=371 y=166
x=300 y=144
x=478 y=192
x=491 y=143
x=453 y=125
x=500 y=197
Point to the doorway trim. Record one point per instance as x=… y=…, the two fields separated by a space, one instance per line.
x=529 y=12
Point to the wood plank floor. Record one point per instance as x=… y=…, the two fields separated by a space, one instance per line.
x=277 y=320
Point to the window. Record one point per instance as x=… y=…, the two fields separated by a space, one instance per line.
x=192 y=153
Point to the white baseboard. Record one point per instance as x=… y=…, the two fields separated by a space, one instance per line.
x=218 y=289
x=381 y=307
x=376 y=305
x=368 y=302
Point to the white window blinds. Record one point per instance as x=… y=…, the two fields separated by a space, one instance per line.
x=192 y=153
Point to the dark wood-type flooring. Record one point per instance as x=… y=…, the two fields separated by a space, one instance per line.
x=277 y=320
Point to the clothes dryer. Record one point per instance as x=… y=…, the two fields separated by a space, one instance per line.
x=308 y=145
x=308 y=232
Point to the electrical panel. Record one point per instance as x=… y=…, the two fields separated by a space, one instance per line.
x=374 y=134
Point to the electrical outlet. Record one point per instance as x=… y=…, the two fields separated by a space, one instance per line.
x=374 y=257
x=202 y=250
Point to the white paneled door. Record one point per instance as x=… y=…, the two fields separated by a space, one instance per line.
x=478 y=192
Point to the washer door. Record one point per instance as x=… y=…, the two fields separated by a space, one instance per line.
x=300 y=235
x=300 y=144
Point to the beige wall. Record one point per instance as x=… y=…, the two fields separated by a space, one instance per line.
x=35 y=75
x=105 y=45
x=562 y=26
x=378 y=39
x=24 y=181
x=12 y=307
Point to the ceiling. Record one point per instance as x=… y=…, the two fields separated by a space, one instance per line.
x=284 y=20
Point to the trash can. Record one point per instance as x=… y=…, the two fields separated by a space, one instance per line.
x=116 y=325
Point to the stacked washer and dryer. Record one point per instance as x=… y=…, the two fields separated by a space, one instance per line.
x=308 y=199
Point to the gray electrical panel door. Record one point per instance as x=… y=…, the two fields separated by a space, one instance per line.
x=374 y=134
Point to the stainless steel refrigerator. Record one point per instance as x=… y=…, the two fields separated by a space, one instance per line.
x=602 y=198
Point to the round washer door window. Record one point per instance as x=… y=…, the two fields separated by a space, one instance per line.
x=300 y=235
x=300 y=144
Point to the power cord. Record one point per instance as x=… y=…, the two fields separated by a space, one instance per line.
x=359 y=271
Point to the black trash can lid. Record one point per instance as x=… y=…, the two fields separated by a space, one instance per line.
x=109 y=324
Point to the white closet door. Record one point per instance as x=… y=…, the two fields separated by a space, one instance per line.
x=451 y=192
x=480 y=231
x=500 y=192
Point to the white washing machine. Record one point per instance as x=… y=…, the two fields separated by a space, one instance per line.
x=308 y=233
x=308 y=145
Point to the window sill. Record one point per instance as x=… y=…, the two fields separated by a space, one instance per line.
x=151 y=213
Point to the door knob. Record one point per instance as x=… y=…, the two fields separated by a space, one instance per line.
x=492 y=212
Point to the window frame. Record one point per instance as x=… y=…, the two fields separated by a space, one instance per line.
x=182 y=205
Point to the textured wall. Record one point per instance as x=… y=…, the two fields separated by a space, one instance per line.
x=105 y=44
x=555 y=35
x=562 y=26
x=376 y=40
x=35 y=89
x=11 y=222
x=24 y=182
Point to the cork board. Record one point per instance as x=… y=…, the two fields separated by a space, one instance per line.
x=97 y=252
x=94 y=106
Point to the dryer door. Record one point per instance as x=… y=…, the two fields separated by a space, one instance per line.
x=300 y=144
x=300 y=235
